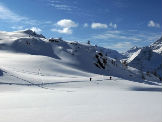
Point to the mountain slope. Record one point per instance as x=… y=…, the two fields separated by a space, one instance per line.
x=71 y=53
x=146 y=60
x=52 y=77
x=132 y=50
x=157 y=46
x=27 y=56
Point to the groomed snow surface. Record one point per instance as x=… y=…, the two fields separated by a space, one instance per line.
x=35 y=87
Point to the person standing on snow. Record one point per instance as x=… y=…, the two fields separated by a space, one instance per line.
x=90 y=79
x=110 y=77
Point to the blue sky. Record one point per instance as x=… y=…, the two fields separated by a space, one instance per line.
x=115 y=24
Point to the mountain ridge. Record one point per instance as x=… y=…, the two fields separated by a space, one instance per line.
x=72 y=56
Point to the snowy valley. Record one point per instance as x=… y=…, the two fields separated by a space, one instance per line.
x=46 y=80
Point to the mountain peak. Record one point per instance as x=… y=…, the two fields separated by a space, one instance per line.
x=135 y=47
x=28 y=31
x=32 y=33
x=132 y=50
x=157 y=46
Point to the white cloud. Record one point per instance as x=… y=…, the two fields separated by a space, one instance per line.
x=48 y=22
x=119 y=35
x=113 y=25
x=120 y=46
x=61 y=6
x=9 y=16
x=35 y=29
x=85 y=25
x=65 y=26
x=123 y=45
x=126 y=39
x=17 y=27
x=67 y=23
x=64 y=30
x=151 y=23
x=6 y=14
x=123 y=40
x=110 y=24
x=98 y=26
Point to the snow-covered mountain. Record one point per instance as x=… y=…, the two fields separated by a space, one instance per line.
x=148 y=59
x=47 y=80
x=30 y=51
x=111 y=53
x=82 y=56
x=157 y=46
x=131 y=51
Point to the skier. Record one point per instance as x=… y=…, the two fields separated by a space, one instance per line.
x=28 y=43
x=90 y=79
x=110 y=77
